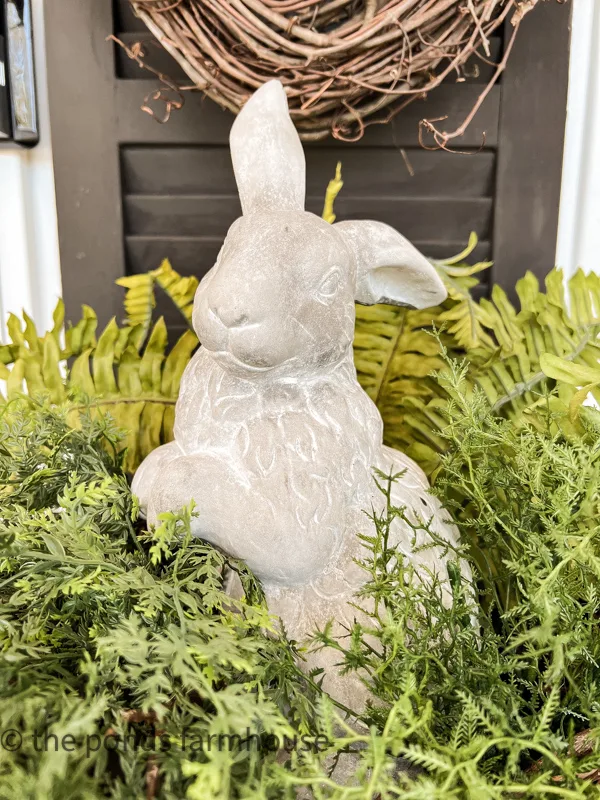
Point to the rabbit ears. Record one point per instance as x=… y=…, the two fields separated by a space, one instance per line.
x=268 y=159
x=389 y=268
x=270 y=170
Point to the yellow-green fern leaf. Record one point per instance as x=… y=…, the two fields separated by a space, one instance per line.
x=82 y=335
x=136 y=384
x=334 y=187
x=394 y=354
x=545 y=330
x=463 y=317
x=180 y=290
x=51 y=368
x=139 y=299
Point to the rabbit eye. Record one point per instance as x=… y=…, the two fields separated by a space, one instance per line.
x=329 y=284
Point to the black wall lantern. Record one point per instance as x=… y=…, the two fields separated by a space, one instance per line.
x=18 y=114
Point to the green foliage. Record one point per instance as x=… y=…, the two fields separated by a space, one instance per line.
x=578 y=375
x=140 y=299
x=122 y=656
x=133 y=376
x=108 y=630
x=497 y=709
x=509 y=353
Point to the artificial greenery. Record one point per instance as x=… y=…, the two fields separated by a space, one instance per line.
x=126 y=371
x=501 y=695
x=108 y=629
x=122 y=656
x=395 y=353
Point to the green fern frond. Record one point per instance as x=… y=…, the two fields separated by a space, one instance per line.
x=180 y=290
x=334 y=187
x=507 y=350
x=548 y=714
x=137 y=387
x=82 y=335
x=128 y=372
x=431 y=761
x=140 y=299
x=585 y=379
x=467 y=319
x=514 y=379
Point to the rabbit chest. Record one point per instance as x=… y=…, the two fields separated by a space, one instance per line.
x=312 y=438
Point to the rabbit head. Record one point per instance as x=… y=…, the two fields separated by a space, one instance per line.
x=281 y=294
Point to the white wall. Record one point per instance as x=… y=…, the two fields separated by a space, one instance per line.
x=579 y=225
x=29 y=258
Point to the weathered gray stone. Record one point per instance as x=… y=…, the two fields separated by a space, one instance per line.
x=274 y=438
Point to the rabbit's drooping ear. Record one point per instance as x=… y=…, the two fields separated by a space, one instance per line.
x=389 y=268
x=267 y=155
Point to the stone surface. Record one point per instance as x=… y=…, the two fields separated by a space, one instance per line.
x=274 y=438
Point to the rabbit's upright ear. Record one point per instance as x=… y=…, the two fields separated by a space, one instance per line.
x=268 y=159
x=389 y=268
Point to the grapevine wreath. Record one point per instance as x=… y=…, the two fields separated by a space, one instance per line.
x=345 y=63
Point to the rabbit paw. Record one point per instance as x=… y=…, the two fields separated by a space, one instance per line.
x=150 y=468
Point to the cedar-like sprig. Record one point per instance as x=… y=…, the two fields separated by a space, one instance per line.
x=108 y=629
x=495 y=694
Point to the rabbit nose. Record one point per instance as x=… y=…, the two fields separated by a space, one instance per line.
x=230 y=316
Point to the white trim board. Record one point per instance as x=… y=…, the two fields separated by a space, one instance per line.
x=29 y=255
x=578 y=242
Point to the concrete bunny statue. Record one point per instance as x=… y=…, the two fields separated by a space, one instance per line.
x=275 y=440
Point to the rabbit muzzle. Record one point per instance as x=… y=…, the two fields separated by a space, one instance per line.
x=239 y=345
